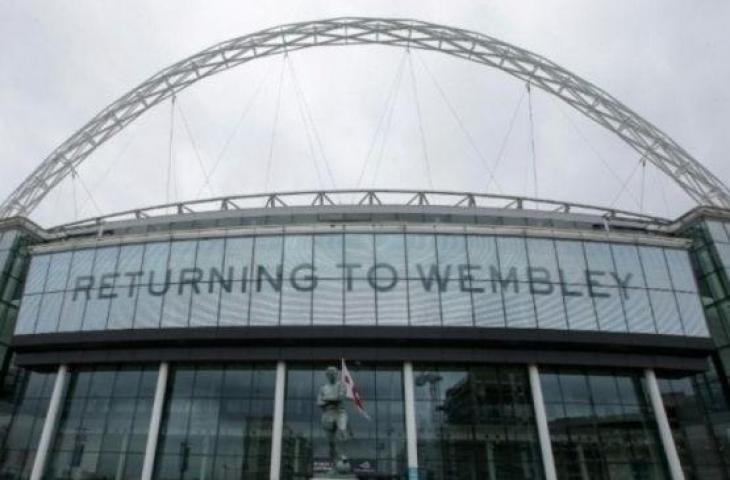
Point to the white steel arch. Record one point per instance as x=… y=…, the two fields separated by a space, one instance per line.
x=651 y=143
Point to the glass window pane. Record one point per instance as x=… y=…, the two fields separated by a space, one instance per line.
x=265 y=298
x=581 y=313
x=599 y=256
x=155 y=261
x=268 y=253
x=488 y=306
x=238 y=258
x=210 y=255
x=666 y=313
x=456 y=307
x=297 y=255
x=542 y=254
x=512 y=257
x=425 y=307
x=121 y=311
x=359 y=254
x=36 y=279
x=571 y=261
x=58 y=272
x=693 y=317
x=628 y=265
x=717 y=232
x=204 y=307
x=519 y=307
x=359 y=303
x=680 y=270
x=328 y=303
x=28 y=314
x=49 y=313
x=655 y=267
x=421 y=254
x=105 y=261
x=638 y=312
x=72 y=315
x=610 y=311
x=97 y=312
x=234 y=305
x=149 y=309
x=296 y=300
x=392 y=304
x=182 y=256
x=482 y=256
x=550 y=307
x=390 y=249
x=328 y=255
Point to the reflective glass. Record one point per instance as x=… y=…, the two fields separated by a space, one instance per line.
x=482 y=255
x=28 y=314
x=58 y=272
x=421 y=254
x=693 y=318
x=328 y=254
x=217 y=419
x=375 y=447
x=210 y=255
x=49 y=312
x=638 y=311
x=628 y=264
x=359 y=254
x=475 y=423
x=681 y=270
x=359 y=303
x=512 y=257
x=666 y=313
x=542 y=254
x=101 y=433
x=655 y=267
x=390 y=249
x=601 y=425
x=155 y=261
x=571 y=261
x=36 y=278
x=238 y=258
x=297 y=253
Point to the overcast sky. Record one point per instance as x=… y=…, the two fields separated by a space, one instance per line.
x=62 y=62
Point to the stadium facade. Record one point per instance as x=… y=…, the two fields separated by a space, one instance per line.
x=490 y=337
x=486 y=342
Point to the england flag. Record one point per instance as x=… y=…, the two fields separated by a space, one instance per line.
x=351 y=390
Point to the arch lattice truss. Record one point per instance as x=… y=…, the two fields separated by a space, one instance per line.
x=651 y=143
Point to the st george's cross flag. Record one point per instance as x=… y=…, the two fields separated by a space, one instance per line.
x=351 y=390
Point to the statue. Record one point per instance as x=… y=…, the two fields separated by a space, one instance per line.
x=334 y=419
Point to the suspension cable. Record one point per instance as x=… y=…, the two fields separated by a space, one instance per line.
x=532 y=140
x=275 y=123
x=507 y=134
x=73 y=193
x=229 y=139
x=312 y=124
x=420 y=120
x=626 y=182
x=198 y=157
x=305 y=124
x=460 y=123
x=388 y=122
x=643 y=183
x=395 y=85
x=594 y=150
x=75 y=175
x=170 y=154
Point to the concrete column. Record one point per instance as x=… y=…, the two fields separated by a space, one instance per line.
x=49 y=425
x=277 y=429
x=665 y=433
x=543 y=432
x=410 y=411
x=153 y=432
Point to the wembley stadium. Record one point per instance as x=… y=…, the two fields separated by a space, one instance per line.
x=488 y=336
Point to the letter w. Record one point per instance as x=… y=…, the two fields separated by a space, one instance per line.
x=434 y=274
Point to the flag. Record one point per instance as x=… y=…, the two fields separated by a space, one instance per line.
x=351 y=390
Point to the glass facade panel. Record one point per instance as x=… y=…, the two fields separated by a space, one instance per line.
x=416 y=279
x=691 y=427
x=102 y=428
x=601 y=425
x=375 y=447
x=475 y=423
x=217 y=423
x=20 y=440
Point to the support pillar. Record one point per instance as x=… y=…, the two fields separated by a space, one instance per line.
x=410 y=412
x=153 y=432
x=665 y=433
x=49 y=425
x=277 y=429
x=543 y=431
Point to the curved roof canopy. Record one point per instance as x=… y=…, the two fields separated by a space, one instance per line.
x=651 y=143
